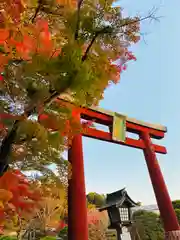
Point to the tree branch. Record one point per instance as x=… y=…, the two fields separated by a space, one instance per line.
x=78 y=18
x=6 y=146
x=104 y=30
x=89 y=47
x=40 y=2
x=107 y=30
x=150 y=16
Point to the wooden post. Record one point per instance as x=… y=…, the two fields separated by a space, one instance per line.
x=77 y=206
x=167 y=212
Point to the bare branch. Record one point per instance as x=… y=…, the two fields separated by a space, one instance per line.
x=151 y=16
x=143 y=38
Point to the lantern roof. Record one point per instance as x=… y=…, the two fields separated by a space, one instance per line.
x=119 y=199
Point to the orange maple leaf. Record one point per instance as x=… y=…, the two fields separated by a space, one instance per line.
x=4 y=35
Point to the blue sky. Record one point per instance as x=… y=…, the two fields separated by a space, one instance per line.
x=149 y=90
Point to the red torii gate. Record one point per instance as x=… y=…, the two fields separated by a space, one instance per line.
x=77 y=213
x=77 y=222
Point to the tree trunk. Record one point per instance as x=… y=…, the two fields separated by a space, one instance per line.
x=6 y=148
x=7 y=142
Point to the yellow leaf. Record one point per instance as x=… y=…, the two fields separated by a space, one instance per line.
x=1 y=205
x=5 y=195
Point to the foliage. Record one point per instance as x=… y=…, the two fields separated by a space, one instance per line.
x=91 y=206
x=177 y=211
x=96 y=199
x=31 y=205
x=147 y=226
x=48 y=238
x=63 y=233
x=18 y=198
x=7 y=238
x=176 y=206
x=50 y=49
x=139 y=203
x=97 y=225
x=48 y=215
x=53 y=205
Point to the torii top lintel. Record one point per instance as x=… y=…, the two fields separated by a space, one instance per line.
x=106 y=118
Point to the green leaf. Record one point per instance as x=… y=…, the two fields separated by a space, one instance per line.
x=55 y=139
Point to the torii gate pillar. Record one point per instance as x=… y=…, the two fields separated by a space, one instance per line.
x=167 y=212
x=77 y=204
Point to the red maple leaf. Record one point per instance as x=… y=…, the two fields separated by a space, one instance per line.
x=23 y=198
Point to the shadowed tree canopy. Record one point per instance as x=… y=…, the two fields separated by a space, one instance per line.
x=96 y=199
x=52 y=48
x=176 y=206
x=147 y=226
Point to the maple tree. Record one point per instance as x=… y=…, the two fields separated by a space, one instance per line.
x=30 y=204
x=48 y=215
x=52 y=48
x=97 y=225
x=53 y=204
x=18 y=198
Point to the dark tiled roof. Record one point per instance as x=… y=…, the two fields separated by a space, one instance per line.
x=118 y=198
